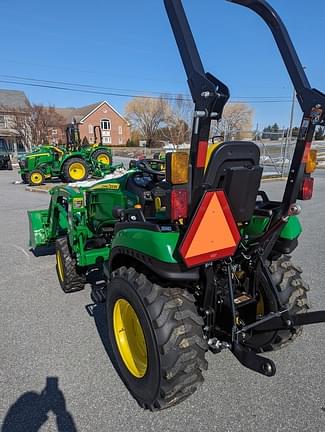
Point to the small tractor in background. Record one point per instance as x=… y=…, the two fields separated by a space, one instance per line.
x=195 y=256
x=70 y=163
x=5 y=159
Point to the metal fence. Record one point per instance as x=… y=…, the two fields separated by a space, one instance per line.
x=276 y=156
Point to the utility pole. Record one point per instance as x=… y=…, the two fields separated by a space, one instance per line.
x=289 y=132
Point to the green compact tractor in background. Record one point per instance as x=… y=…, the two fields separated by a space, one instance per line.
x=195 y=256
x=5 y=159
x=70 y=163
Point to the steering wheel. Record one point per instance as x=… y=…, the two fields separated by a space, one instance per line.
x=145 y=165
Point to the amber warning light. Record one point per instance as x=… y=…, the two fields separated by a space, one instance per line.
x=213 y=233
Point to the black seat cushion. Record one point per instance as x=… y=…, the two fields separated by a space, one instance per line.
x=234 y=167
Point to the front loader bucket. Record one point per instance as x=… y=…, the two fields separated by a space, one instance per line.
x=38 y=232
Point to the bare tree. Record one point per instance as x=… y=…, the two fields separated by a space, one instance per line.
x=32 y=127
x=237 y=119
x=147 y=115
x=178 y=121
x=42 y=121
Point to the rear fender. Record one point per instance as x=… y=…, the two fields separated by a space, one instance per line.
x=149 y=251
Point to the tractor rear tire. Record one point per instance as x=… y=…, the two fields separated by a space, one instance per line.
x=156 y=337
x=293 y=294
x=71 y=280
x=102 y=156
x=75 y=169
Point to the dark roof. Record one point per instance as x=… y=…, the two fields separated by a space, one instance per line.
x=76 y=113
x=13 y=100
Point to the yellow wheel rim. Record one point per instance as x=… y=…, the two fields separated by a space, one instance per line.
x=103 y=158
x=60 y=265
x=129 y=338
x=77 y=171
x=36 y=178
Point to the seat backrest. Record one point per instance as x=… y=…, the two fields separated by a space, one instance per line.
x=234 y=167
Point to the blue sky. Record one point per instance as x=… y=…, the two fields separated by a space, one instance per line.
x=129 y=45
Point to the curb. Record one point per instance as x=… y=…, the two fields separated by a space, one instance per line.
x=33 y=189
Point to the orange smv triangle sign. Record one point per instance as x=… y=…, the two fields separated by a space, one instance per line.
x=213 y=233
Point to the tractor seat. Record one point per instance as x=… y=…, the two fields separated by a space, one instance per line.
x=140 y=184
x=234 y=167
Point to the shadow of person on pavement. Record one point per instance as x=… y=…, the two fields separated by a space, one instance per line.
x=31 y=410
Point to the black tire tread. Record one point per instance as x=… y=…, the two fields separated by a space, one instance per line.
x=293 y=293
x=182 y=355
x=73 y=281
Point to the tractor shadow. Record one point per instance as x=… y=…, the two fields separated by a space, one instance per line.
x=97 y=310
x=30 y=411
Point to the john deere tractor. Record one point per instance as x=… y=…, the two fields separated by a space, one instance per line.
x=71 y=163
x=195 y=255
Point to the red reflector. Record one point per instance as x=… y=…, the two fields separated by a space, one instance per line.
x=212 y=234
x=307 y=188
x=202 y=154
x=179 y=204
x=306 y=152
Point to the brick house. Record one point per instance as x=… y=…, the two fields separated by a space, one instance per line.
x=115 y=128
x=13 y=104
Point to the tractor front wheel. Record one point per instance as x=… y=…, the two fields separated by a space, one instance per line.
x=66 y=267
x=157 y=340
x=35 y=178
x=75 y=169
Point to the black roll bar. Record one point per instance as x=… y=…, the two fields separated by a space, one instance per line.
x=307 y=97
x=100 y=134
x=312 y=101
x=210 y=95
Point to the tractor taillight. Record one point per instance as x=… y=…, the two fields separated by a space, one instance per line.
x=179 y=204
x=310 y=159
x=307 y=188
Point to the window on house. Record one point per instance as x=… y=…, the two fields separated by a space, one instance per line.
x=91 y=140
x=120 y=140
x=107 y=140
x=105 y=124
x=2 y=121
x=120 y=130
x=90 y=129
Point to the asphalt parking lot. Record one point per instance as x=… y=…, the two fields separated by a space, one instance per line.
x=55 y=374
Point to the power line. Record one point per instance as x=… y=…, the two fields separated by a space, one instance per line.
x=88 y=85
x=169 y=94
x=180 y=97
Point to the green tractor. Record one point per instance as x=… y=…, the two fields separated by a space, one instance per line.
x=195 y=256
x=71 y=163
